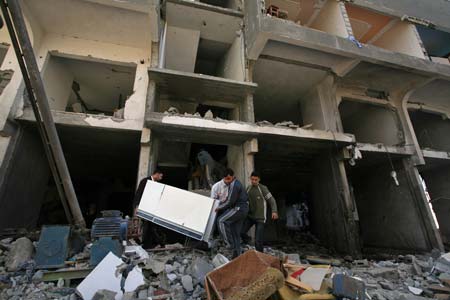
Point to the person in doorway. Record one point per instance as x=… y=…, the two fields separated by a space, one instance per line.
x=233 y=212
x=157 y=176
x=259 y=196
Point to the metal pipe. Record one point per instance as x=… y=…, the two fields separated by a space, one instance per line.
x=61 y=174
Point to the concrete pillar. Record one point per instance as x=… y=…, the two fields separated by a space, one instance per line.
x=334 y=210
x=248 y=111
x=148 y=151
x=144 y=155
x=319 y=107
x=250 y=149
x=399 y=100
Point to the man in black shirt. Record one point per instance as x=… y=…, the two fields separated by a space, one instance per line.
x=150 y=232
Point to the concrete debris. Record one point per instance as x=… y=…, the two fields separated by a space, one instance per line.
x=264 y=123
x=178 y=272
x=20 y=252
x=172 y=111
x=415 y=291
x=187 y=283
x=209 y=114
x=219 y=260
x=288 y=124
x=200 y=268
x=104 y=295
x=348 y=287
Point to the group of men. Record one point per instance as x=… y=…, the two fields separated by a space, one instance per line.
x=242 y=208
x=239 y=208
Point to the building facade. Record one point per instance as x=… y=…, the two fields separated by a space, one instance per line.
x=343 y=105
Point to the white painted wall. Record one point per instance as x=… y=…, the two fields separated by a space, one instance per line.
x=181 y=48
x=401 y=38
x=58 y=83
x=330 y=20
x=232 y=65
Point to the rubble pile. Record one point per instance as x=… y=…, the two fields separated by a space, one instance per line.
x=182 y=273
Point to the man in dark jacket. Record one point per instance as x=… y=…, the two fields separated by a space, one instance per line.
x=259 y=196
x=157 y=176
x=151 y=235
x=233 y=212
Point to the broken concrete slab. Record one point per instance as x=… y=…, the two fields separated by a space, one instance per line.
x=386 y=273
x=219 y=260
x=20 y=252
x=200 y=268
x=104 y=295
x=186 y=280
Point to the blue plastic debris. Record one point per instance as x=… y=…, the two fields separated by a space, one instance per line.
x=355 y=41
x=347 y=287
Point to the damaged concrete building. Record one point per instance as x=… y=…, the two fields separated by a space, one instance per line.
x=340 y=104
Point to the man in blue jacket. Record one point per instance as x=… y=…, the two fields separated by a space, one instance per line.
x=233 y=212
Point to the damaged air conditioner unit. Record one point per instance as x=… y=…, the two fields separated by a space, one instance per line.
x=185 y=212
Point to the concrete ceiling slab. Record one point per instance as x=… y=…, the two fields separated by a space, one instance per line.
x=93 y=21
x=437 y=11
x=280 y=88
x=381 y=78
x=435 y=94
x=100 y=83
x=221 y=132
x=214 y=23
x=201 y=87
